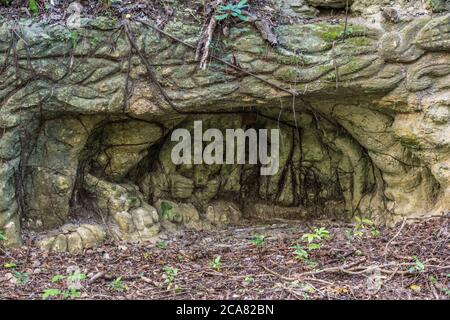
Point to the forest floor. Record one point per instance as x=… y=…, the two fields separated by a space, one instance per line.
x=271 y=261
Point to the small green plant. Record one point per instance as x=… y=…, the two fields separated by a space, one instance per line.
x=318 y=234
x=21 y=278
x=232 y=10
x=322 y=233
x=418 y=266
x=169 y=276
x=162 y=245
x=73 y=38
x=374 y=232
x=10 y=265
x=76 y=276
x=258 y=241
x=117 y=285
x=314 y=246
x=33 y=7
x=361 y=225
x=71 y=294
x=248 y=280
x=58 y=278
x=216 y=264
x=166 y=210
x=446 y=291
x=300 y=253
x=2 y=237
x=49 y=293
x=66 y=294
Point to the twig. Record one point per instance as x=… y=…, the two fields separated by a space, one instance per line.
x=204 y=44
x=393 y=238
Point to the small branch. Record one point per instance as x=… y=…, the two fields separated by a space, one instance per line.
x=393 y=238
x=203 y=46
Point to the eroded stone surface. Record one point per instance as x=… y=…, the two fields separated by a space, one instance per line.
x=72 y=238
x=86 y=134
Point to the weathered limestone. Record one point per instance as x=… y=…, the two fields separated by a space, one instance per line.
x=72 y=238
x=123 y=209
x=85 y=133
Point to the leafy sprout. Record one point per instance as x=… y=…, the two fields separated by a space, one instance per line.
x=317 y=235
x=169 y=276
x=216 y=264
x=232 y=10
x=33 y=7
x=21 y=278
x=117 y=285
x=166 y=209
x=58 y=278
x=418 y=266
x=10 y=265
x=300 y=253
x=48 y=293
x=258 y=240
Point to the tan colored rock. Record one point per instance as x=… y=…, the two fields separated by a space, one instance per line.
x=329 y=3
x=222 y=213
x=46 y=244
x=87 y=237
x=74 y=243
x=60 y=244
x=124 y=221
x=73 y=238
x=97 y=230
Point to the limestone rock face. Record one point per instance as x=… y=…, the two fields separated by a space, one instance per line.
x=329 y=3
x=85 y=129
x=72 y=238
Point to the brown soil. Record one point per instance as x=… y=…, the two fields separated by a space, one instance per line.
x=345 y=268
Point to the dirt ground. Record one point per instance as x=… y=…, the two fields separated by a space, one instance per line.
x=354 y=261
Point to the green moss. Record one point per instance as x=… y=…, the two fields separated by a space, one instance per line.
x=352 y=66
x=410 y=143
x=332 y=33
x=292 y=60
x=359 y=41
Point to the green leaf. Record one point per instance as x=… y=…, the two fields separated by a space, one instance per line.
x=33 y=7
x=10 y=265
x=309 y=237
x=58 y=278
x=242 y=4
x=243 y=18
x=162 y=245
x=249 y=280
x=314 y=246
x=2 y=237
x=74 y=293
x=222 y=17
x=77 y=276
x=50 y=293
x=166 y=209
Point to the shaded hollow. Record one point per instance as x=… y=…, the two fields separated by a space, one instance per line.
x=86 y=124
